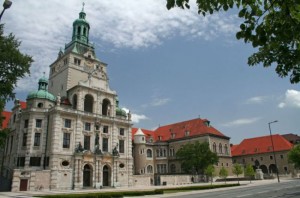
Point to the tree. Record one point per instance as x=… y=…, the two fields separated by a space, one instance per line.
x=13 y=66
x=210 y=172
x=294 y=156
x=223 y=173
x=272 y=26
x=237 y=170
x=249 y=171
x=195 y=157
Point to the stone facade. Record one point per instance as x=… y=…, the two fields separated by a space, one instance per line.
x=155 y=157
x=72 y=135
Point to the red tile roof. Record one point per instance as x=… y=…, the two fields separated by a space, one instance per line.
x=262 y=144
x=195 y=127
x=23 y=104
x=233 y=146
x=6 y=115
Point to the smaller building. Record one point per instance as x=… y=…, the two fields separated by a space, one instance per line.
x=258 y=152
x=292 y=138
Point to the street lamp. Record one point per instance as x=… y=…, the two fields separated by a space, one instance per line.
x=273 y=148
x=6 y=5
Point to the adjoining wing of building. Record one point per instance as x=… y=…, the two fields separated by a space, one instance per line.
x=154 y=151
x=259 y=153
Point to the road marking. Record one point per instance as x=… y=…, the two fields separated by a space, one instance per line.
x=244 y=195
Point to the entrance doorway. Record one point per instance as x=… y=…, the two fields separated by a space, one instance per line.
x=23 y=184
x=87 y=176
x=106 y=176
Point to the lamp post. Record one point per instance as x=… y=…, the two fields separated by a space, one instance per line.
x=274 y=149
x=6 y=5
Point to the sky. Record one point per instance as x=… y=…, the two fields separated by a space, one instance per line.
x=167 y=66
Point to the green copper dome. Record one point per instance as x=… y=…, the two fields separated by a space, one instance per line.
x=119 y=111
x=81 y=29
x=42 y=91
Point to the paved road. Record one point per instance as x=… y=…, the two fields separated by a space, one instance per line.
x=288 y=189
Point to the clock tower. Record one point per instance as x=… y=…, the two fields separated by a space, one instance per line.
x=77 y=64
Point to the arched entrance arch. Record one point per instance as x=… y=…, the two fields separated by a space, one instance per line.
x=87 y=176
x=264 y=169
x=105 y=107
x=88 y=103
x=106 y=176
x=272 y=168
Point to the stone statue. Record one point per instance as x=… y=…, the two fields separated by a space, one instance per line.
x=97 y=145
x=79 y=148
x=115 y=151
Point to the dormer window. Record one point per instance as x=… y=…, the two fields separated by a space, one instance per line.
x=159 y=138
x=187 y=133
x=173 y=135
x=207 y=123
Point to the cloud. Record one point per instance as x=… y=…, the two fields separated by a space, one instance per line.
x=256 y=100
x=45 y=26
x=160 y=102
x=242 y=121
x=292 y=99
x=136 y=118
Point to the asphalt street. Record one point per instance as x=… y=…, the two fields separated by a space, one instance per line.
x=288 y=189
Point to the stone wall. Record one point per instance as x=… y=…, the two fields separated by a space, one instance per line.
x=142 y=180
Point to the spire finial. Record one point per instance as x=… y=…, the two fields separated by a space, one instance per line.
x=83 y=6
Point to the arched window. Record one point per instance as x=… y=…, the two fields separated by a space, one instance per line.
x=84 y=31
x=226 y=149
x=220 y=148
x=149 y=153
x=74 y=101
x=214 y=147
x=173 y=168
x=149 y=169
x=106 y=107
x=78 y=30
x=88 y=103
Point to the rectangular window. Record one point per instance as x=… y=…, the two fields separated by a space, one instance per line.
x=271 y=157
x=66 y=140
x=24 y=142
x=97 y=127
x=105 y=129
x=281 y=156
x=38 y=123
x=65 y=61
x=68 y=123
x=21 y=161
x=77 y=61
x=105 y=144
x=122 y=131
x=25 y=124
x=161 y=168
x=35 y=161
x=121 y=146
x=87 y=126
x=87 y=141
x=37 y=139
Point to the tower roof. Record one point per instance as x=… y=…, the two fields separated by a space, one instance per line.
x=42 y=91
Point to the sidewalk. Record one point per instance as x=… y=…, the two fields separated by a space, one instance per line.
x=25 y=194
